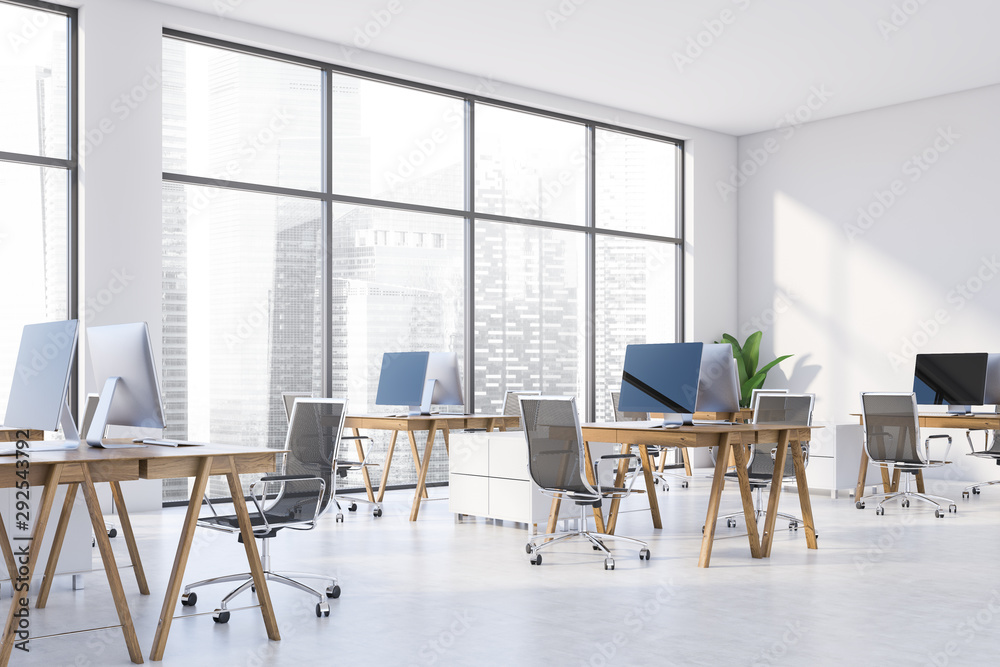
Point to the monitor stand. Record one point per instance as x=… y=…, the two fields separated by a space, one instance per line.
x=959 y=409
x=425 y=400
x=99 y=424
x=672 y=419
x=68 y=426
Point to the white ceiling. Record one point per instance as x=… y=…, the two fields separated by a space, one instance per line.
x=762 y=62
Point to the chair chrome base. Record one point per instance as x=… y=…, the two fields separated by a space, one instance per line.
x=905 y=495
x=538 y=542
x=221 y=615
x=760 y=512
x=974 y=488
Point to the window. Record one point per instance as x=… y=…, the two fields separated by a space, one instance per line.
x=362 y=222
x=37 y=172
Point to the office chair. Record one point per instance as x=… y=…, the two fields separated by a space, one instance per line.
x=992 y=452
x=556 y=464
x=305 y=488
x=344 y=464
x=510 y=405
x=892 y=438
x=776 y=408
x=659 y=475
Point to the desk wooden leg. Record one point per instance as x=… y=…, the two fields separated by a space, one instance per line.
x=647 y=473
x=364 y=470
x=920 y=481
x=110 y=566
x=416 y=456
x=805 y=504
x=10 y=635
x=714 y=499
x=56 y=548
x=553 y=516
x=385 y=465
x=746 y=497
x=180 y=560
x=589 y=468
x=772 y=499
x=895 y=480
x=133 y=548
x=619 y=481
x=253 y=557
x=859 y=492
x=421 y=491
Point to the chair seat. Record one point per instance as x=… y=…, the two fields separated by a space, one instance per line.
x=986 y=455
x=229 y=522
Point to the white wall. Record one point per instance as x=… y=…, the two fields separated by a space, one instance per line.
x=868 y=238
x=120 y=211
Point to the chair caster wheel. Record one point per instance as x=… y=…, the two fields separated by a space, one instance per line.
x=703 y=530
x=879 y=511
x=609 y=563
x=975 y=491
x=536 y=559
x=333 y=591
x=905 y=503
x=377 y=512
x=939 y=514
x=643 y=554
x=113 y=532
x=730 y=523
x=684 y=485
x=527 y=548
x=353 y=507
x=953 y=509
x=965 y=494
x=793 y=525
x=189 y=599
x=322 y=609
x=860 y=505
x=340 y=518
x=220 y=616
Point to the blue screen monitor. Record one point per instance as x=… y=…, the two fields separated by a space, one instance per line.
x=662 y=377
x=957 y=380
x=122 y=358
x=419 y=380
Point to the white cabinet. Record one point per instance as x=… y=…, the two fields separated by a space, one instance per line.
x=834 y=458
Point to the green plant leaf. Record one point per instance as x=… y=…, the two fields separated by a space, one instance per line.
x=760 y=375
x=751 y=352
x=738 y=356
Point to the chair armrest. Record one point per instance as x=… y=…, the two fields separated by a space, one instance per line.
x=614 y=457
x=927 y=446
x=283 y=478
x=986 y=440
x=355 y=437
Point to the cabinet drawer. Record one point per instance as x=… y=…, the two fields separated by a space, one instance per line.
x=469 y=494
x=468 y=453
x=509 y=456
x=510 y=499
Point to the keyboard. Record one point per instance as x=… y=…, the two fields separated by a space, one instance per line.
x=10 y=448
x=169 y=443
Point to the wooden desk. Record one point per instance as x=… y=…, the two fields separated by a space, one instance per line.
x=971 y=422
x=731 y=437
x=430 y=423
x=13 y=434
x=87 y=465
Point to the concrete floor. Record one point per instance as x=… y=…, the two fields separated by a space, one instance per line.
x=901 y=589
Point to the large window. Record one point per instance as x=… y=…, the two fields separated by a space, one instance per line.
x=316 y=218
x=37 y=172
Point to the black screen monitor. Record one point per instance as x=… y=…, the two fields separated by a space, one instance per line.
x=662 y=377
x=957 y=380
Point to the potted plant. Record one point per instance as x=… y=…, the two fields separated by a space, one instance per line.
x=746 y=356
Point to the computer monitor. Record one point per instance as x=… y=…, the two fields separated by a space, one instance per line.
x=662 y=377
x=122 y=358
x=718 y=380
x=39 y=388
x=957 y=380
x=419 y=380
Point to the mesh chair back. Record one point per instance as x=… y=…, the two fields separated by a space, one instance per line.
x=779 y=409
x=891 y=428
x=625 y=416
x=994 y=446
x=555 y=444
x=312 y=442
